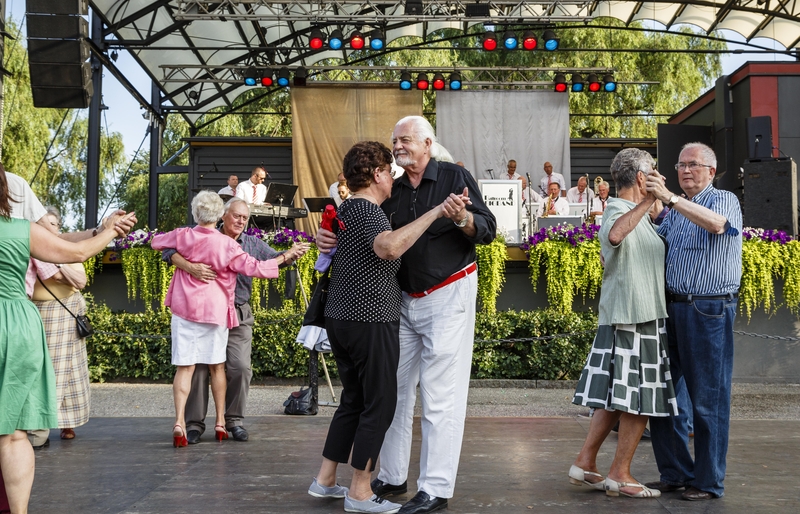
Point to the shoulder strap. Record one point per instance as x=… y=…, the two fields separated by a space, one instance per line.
x=55 y=298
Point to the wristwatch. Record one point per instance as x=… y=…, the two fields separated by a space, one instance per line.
x=672 y=201
x=463 y=222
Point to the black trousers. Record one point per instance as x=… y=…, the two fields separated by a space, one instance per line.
x=366 y=356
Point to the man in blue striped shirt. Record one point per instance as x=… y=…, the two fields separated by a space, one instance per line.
x=704 y=268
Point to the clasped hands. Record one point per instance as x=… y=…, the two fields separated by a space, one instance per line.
x=120 y=221
x=204 y=273
x=454 y=206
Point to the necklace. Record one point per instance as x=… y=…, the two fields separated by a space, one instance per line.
x=367 y=197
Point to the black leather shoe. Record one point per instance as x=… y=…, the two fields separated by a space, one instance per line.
x=381 y=489
x=695 y=494
x=422 y=502
x=663 y=486
x=193 y=436
x=239 y=434
x=45 y=444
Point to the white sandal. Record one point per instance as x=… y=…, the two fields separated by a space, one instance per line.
x=613 y=489
x=577 y=476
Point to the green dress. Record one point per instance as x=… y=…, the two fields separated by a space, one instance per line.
x=27 y=381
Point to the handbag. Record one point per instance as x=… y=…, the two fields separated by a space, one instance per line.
x=84 y=324
x=301 y=403
x=315 y=313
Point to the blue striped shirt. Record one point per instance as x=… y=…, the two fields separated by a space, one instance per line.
x=699 y=262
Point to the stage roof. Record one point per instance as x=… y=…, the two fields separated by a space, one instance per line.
x=197 y=51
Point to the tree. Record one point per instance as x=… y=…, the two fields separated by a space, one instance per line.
x=59 y=178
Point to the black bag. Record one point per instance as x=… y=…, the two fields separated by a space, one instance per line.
x=315 y=314
x=84 y=326
x=83 y=323
x=301 y=403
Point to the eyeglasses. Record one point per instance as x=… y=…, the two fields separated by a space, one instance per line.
x=391 y=171
x=693 y=166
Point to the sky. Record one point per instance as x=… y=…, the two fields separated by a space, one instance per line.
x=124 y=114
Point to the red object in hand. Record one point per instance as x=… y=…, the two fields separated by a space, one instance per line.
x=328 y=216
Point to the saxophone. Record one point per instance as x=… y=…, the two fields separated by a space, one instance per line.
x=548 y=204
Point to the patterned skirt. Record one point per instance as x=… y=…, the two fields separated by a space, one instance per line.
x=628 y=370
x=68 y=355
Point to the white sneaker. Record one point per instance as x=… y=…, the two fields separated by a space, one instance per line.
x=320 y=491
x=372 y=505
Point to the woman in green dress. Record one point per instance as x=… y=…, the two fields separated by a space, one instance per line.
x=27 y=381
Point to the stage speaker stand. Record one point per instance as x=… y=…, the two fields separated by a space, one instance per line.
x=770 y=195
x=57 y=53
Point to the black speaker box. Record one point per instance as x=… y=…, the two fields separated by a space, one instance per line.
x=60 y=75
x=80 y=7
x=62 y=97
x=67 y=51
x=42 y=26
x=759 y=137
x=770 y=195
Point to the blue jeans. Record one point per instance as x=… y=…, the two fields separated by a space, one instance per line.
x=700 y=335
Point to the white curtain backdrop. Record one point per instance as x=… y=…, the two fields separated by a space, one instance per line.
x=485 y=129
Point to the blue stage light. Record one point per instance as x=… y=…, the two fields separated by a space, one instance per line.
x=510 y=40
x=377 y=40
x=250 y=77
x=405 y=81
x=455 y=81
x=550 y=40
x=577 y=83
x=283 y=77
x=335 y=40
x=609 y=85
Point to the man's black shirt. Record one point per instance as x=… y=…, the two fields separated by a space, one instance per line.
x=444 y=248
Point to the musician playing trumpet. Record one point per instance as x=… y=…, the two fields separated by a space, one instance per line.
x=554 y=204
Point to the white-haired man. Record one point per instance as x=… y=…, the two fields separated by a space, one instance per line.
x=437 y=317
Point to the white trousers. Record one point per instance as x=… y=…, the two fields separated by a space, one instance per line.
x=436 y=337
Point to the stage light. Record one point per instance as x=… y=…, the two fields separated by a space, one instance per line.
x=550 y=41
x=489 y=41
x=357 y=40
x=283 y=77
x=300 y=75
x=560 y=83
x=413 y=7
x=377 y=40
x=594 y=84
x=336 y=39
x=438 y=82
x=609 y=84
x=317 y=39
x=405 y=81
x=250 y=77
x=577 y=83
x=529 y=40
x=266 y=77
x=422 y=81
x=510 y=40
x=455 y=81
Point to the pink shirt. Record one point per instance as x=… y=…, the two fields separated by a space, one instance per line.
x=198 y=301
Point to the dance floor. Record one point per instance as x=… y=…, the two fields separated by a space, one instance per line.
x=508 y=465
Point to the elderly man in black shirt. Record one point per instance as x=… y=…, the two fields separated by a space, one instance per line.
x=437 y=319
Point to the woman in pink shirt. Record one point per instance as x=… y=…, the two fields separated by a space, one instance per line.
x=202 y=312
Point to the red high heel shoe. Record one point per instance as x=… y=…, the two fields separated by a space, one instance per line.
x=179 y=436
x=221 y=432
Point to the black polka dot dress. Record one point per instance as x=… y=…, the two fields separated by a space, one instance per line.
x=363 y=286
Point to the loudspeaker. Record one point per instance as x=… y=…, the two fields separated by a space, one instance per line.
x=60 y=75
x=41 y=26
x=57 y=51
x=80 y=7
x=759 y=137
x=770 y=195
x=62 y=97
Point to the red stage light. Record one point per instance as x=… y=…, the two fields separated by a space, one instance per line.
x=317 y=39
x=357 y=41
x=422 y=81
x=438 y=81
x=266 y=81
x=594 y=83
x=561 y=88
x=489 y=41
x=529 y=40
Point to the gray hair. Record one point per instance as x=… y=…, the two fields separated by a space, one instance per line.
x=706 y=152
x=52 y=210
x=422 y=130
x=230 y=203
x=627 y=164
x=604 y=183
x=207 y=207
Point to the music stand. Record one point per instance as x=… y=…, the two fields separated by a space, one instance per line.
x=318 y=203
x=280 y=194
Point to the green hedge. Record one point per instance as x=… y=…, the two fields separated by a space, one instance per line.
x=116 y=355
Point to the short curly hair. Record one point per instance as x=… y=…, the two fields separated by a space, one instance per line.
x=627 y=164
x=207 y=207
x=361 y=160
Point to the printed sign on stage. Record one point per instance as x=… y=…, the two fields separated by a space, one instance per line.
x=504 y=199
